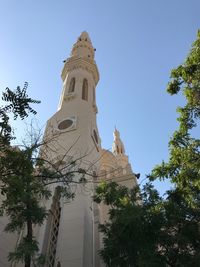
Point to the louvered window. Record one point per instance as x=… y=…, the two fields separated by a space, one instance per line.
x=54 y=218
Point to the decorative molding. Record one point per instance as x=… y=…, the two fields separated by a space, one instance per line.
x=69 y=96
x=81 y=63
x=76 y=46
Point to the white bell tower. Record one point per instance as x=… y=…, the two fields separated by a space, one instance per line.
x=70 y=235
x=76 y=115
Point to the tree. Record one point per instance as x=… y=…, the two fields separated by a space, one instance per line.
x=130 y=237
x=183 y=202
x=25 y=176
x=162 y=231
x=19 y=106
x=20 y=191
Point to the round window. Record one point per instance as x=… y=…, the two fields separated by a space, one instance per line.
x=65 y=124
x=95 y=136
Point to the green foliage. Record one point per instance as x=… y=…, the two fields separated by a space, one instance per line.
x=184 y=160
x=19 y=106
x=155 y=231
x=20 y=188
x=25 y=177
x=19 y=102
x=26 y=247
x=147 y=230
x=132 y=227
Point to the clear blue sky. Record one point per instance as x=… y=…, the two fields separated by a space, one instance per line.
x=138 y=42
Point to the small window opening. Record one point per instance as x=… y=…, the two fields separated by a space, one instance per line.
x=94 y=97
x=95 y=136
x=72 y=85
x=85 y=90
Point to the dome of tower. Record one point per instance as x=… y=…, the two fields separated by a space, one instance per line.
x=85 y=37
x=83 y=47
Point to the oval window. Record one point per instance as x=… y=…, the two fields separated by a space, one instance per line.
x=65 y=124
x=95 y=136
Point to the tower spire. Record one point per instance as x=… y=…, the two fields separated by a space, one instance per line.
x=83 y=47
x=81 y=57
x=118 y=146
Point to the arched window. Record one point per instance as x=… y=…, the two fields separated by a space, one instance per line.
x=85 y=90
x=72 y=85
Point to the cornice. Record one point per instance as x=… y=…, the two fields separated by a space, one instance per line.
x=80 y=45
x=81 y=63
x=122 y=178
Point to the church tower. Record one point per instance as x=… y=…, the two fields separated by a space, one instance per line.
x=68 y=236
x=118 y=151
x=75 y=120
